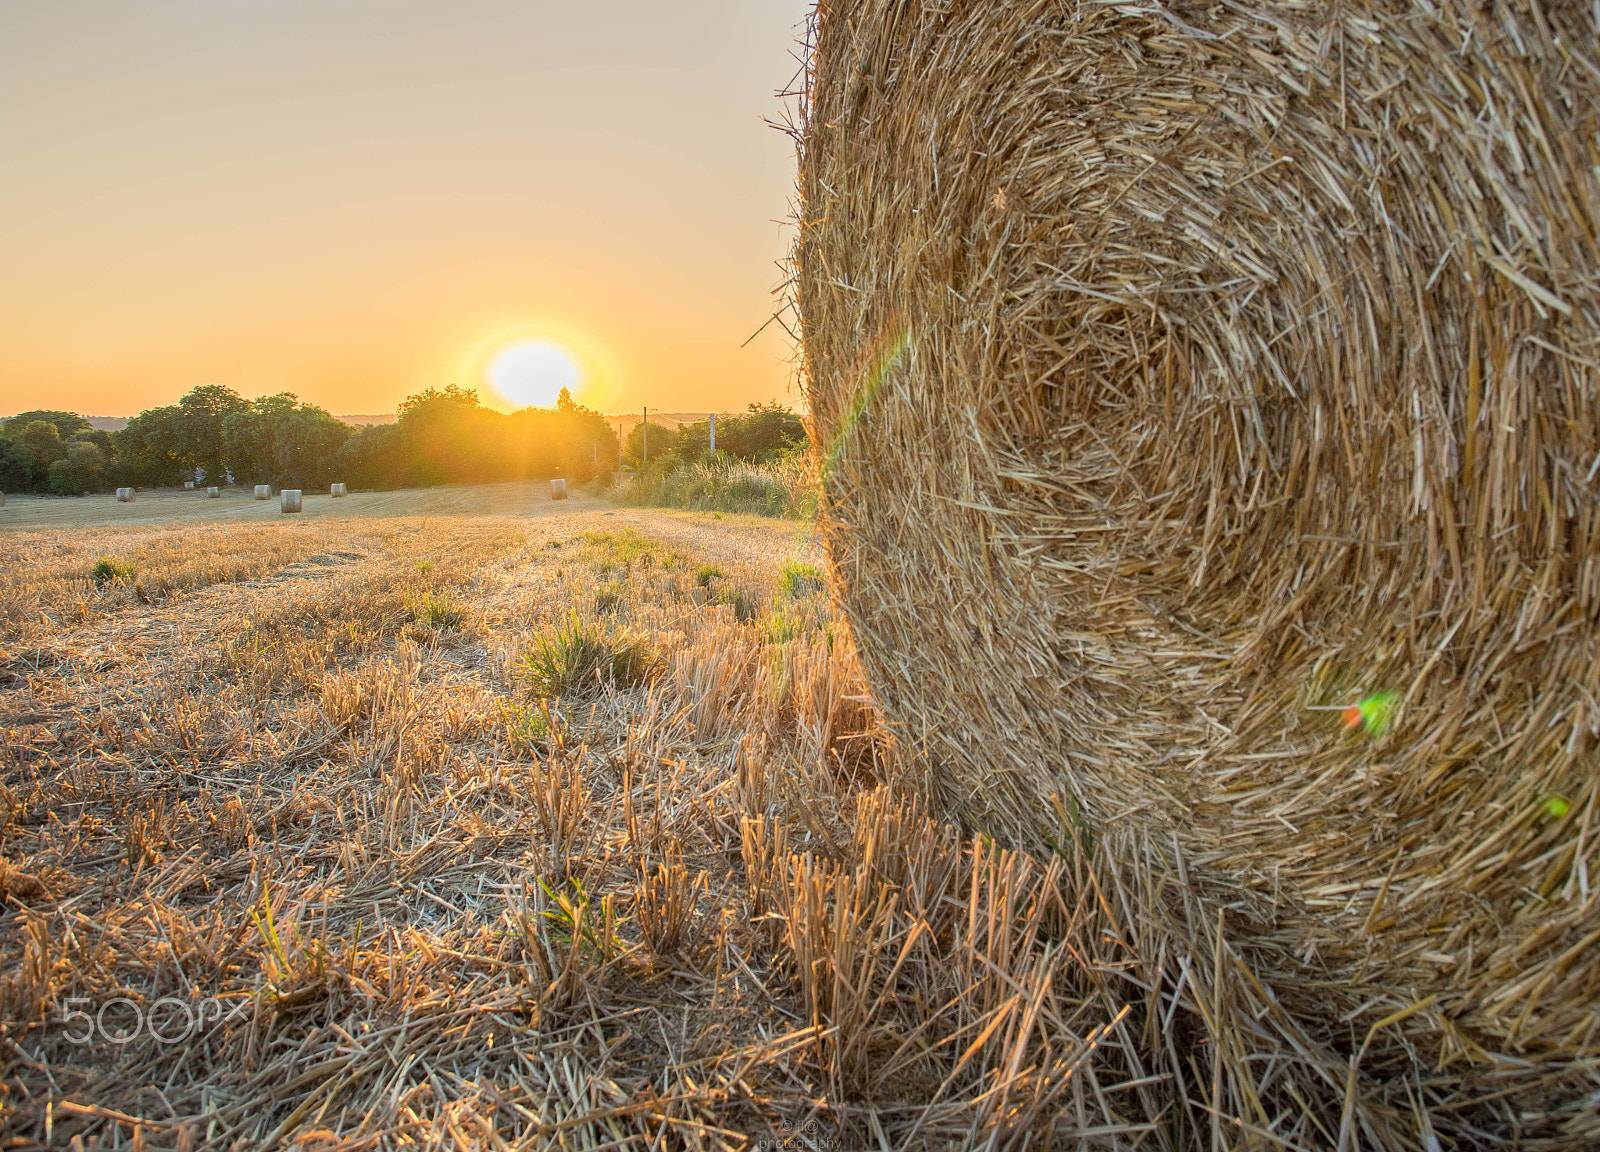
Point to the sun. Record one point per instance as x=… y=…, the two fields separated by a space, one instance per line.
x=534 y=372
x=516 y=362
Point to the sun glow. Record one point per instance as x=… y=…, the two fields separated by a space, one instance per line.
x=534 y=372
x=518 y=363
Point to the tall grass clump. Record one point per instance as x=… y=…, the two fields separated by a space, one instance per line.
x=109 y=568
x=799 y=580
x=782 y=488
x=582 y=652
x=437 y=610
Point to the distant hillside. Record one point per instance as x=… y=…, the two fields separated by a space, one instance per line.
x=370 y=418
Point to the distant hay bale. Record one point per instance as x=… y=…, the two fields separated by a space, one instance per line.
x=289 y=499
x=338 y=490
x=2 y=499
x=124 y=495
x=263 y=491
x=558 y=489
x=188 y=485
x=214 y=493
x=1182 y=375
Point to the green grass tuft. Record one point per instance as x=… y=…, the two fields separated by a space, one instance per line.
x=437 y=610
x=582 y=653
x=109 y=568
x=780 y=628
x=530 y=729
x=798 y=580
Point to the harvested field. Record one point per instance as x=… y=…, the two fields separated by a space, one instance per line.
x=497 y=831
x=177 y=505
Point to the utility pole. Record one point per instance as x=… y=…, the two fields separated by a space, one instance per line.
x=712 y=420
x=645 y=420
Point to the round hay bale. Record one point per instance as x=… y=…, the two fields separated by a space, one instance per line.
x=188 y=485
x=124 y=495
x=1183 y=377
x=2 y=499
x=263 y=491
x=289 y=499
x=338 y=490
x=558 y=489
x=214 y=493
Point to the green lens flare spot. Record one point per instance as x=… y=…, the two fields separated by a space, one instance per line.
x=1372 y=714
x=1557 y=807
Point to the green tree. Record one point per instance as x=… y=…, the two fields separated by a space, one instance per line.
x=249 y=438
x=662 y=441
x=68 y=424
x=449 y=437
x=82 y=470
x=307 y=442
x=761 y=432
x=278 y=440
x=566 y=440
x=15 y=474
x=99 y=437
x=201 y=415
x=430 y=398
x=41 y=446
x=152 y=449
x=374 y=457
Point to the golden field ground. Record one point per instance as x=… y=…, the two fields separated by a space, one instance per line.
x=478 y=820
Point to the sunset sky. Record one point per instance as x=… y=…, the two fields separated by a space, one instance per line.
x=356 y=199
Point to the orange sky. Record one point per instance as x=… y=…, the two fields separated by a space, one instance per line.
x=355 y=199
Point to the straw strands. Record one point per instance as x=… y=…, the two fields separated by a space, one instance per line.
x=1186 y=376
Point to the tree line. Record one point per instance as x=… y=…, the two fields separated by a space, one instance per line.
x=214 y=435
x=761 y=434
x=442 y=436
